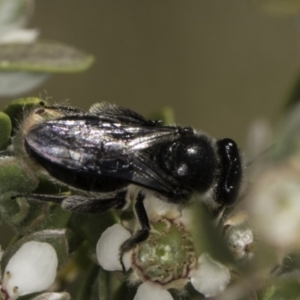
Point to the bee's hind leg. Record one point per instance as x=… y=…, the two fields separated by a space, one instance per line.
x=142 y=234
x=81 y=204
x=41 y=197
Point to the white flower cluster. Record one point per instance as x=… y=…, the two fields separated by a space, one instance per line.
x=274 y=206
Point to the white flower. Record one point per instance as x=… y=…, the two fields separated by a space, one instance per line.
x=238 y=235
x=107 y=249
x=31 y=269
x=240 y=240
x=150 y=291
x=274 y=206
x=210 y=277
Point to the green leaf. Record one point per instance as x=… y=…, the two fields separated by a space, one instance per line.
x=23 y=215
x=27 y=216
x=43 y=56
x=102 y=286
x=165 y=114
x=288 y=139
x=110 y=285
x=5 y=125
x=15 y=176
x=288 y=289
x=85 y=288
x=90 y=227
x=48 y=186
x=126 y=292
x=294 y=96
x=207 y=237
x=16 y=108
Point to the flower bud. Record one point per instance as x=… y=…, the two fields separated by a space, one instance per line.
x=31 y=269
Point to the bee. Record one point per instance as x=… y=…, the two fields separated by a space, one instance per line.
x=110 y=150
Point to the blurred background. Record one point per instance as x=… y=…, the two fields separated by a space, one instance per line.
x=219 y=64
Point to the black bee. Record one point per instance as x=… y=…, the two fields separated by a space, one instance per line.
x=110 y=149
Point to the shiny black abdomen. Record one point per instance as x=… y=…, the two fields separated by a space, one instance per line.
x=84 y=180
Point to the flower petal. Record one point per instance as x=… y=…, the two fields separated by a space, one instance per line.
x=19 y=36
x=107 y=249
x=31 y=269
x=52 y=296
x=211 y=277
x=277 y=192
x=13 y=83
x=150 y=291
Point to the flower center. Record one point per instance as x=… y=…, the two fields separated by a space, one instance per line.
x=167 y=256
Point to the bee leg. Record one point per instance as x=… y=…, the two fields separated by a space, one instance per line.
x=142 y=234
x=41 y=197
x=81 y=204
x=94 y=206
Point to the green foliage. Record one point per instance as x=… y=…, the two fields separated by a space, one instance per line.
x=26 y=62
x=5 y=125
x=265 y=267
x=78 y=234
x=18 y=107
x=43 y=56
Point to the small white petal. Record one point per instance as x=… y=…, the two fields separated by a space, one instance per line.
x=150 y=291
x=277 y=192
x=157 y=208
x=18 y=36
x=15 y=13
x=14 y=83
x=211 y=277
x=52 y=296
x=107 y=249
x=31 y=269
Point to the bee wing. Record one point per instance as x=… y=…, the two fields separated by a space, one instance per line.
x=136 y=168
x=121 y=114
x=149 y=174
x=97 y=146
